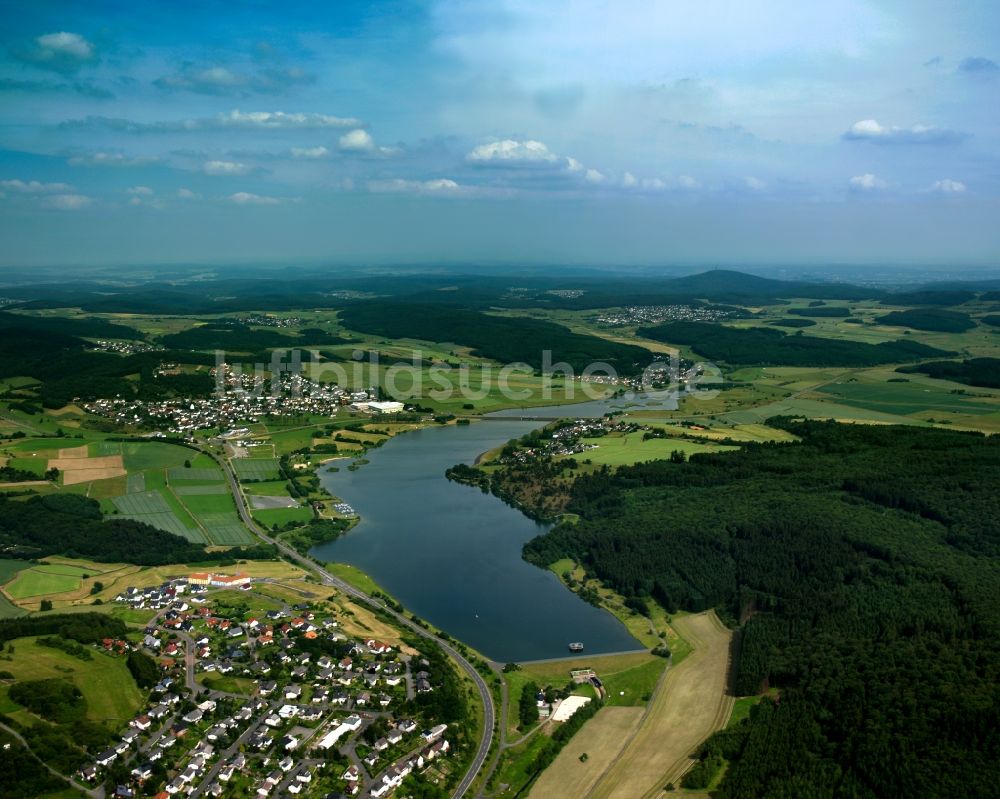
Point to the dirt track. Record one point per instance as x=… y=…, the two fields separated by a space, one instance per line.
x=690 y=703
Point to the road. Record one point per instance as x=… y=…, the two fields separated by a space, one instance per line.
x=485 y=696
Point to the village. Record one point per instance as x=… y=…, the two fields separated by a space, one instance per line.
x=565 y=438
x=654 y=314
x=280 y=703
x=242 y=397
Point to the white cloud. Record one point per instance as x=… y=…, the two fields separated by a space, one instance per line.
x=593 y=176
x=573 y=165
x=233 y=120
x=67 y=202
x=947 y=186
x=141 y=191
x=135 y=201
x=687 y=182
x=754 y=184
x=63 y=52
x=111 y=159
x=224 y=168
x=276 y=119
x=866 y=182
x=629 y=181
x=219 y=80
x=187 y=194
x=437 y=186
x=34 y=187
x=65 y=43
x=357 y=141
x=513 y=151
x=871 y=130
x=246 y=198
x=310 y=152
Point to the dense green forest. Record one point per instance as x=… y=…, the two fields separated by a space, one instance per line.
x=66 y=370
x=941 y=297
x=824 y=311
x=231 y=336
x=794 y=323
x=72 y=525
x=764 y=347
x=984 y=372
x=86 y=628
x=863 y=564
x=90 y=327
x=503 y=339
x=933 y=319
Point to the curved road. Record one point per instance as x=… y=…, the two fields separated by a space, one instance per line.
x=485 y=696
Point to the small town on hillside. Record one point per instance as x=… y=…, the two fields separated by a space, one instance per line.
x=280 y=703
x=246 y=397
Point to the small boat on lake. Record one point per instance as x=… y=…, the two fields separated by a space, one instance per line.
x=576 y=646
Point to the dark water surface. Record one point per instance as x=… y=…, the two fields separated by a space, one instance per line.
x=452 y=554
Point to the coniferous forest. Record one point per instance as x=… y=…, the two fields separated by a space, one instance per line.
x=860 y=564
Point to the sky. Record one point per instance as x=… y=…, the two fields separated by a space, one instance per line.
x=502 y=132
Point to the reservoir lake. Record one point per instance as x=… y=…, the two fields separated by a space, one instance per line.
x=452 y=554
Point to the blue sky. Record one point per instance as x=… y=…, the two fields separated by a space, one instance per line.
x=512 y=131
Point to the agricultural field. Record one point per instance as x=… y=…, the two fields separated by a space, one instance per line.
x=282 y=516
x=41 y=580
x=621 y=450
x=600 y=740
x=168 y=486
x=256 y=469
x=691 y=702
x=64 y=581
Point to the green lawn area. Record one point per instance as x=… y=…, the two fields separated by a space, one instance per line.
x=40 y=444
x=282 y=516
x=256 y=468
x=199 y=504
x=287 y=441
x=36 y=466
x=41 y=580
x=230 y=685
x=633 y=686
x=105 y=682
x=142 y=455
x=354 y=576
x=741 y=709
x=621 y=450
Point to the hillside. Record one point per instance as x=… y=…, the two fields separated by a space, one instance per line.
x=862 y=562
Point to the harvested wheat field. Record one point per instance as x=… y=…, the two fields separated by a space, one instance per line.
x=82 y=469
x=74 y=452
x=601 y=739
x=691 y=702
